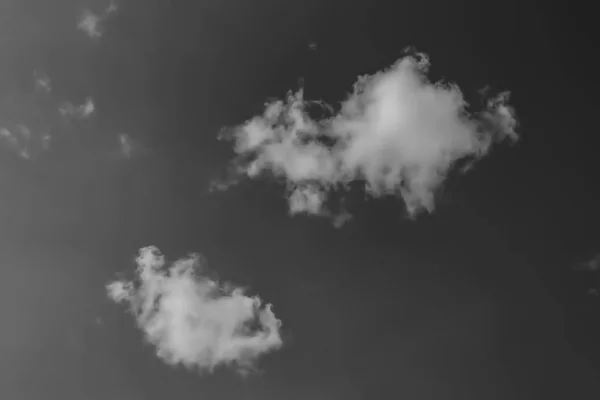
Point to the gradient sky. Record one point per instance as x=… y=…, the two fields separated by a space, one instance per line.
x=475 y=301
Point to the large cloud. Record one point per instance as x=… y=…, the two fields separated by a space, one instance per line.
x=191 y=319
x=397 y=132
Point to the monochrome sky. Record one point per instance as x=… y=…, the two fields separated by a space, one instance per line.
x=294 y=200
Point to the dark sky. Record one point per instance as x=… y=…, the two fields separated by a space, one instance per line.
x=476 y=301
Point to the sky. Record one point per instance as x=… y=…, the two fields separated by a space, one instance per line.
x=268 y=200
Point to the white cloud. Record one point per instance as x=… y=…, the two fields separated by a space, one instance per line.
x=194 y=321
x=82 y=111
x=397 y=132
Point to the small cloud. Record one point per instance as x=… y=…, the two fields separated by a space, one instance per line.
x=112 y=7
x=397 y=132
x=591 y=265
x=46 y=140
x=11 y=139
x=193 y=320
x=220 y=185
x=340 y=219
x=21 y=140
x=29 y=117
x=125 y=146
x=25 y=132
x=8 y=136
x=91 y=23
x=82 y=111
x=312 y=46
x=42 y=82
x=128 y=148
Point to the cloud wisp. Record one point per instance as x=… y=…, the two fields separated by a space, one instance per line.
x=193 y=320
x=397 y=132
